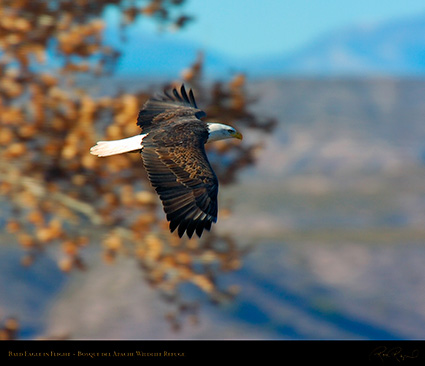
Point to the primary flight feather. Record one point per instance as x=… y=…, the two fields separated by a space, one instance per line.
x=172 y=143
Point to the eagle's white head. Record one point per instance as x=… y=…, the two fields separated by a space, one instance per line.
x=219 y=131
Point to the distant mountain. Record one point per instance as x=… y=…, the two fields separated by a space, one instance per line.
x=395 y=47
x=159 y=55
x=164 y=57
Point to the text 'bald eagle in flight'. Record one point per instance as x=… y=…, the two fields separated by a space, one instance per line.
x=172 y=148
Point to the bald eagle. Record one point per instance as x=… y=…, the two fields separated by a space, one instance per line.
x=171 y=144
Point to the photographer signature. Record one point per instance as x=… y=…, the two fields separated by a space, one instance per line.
x=395 y=353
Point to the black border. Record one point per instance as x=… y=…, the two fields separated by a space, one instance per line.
x=183 y=351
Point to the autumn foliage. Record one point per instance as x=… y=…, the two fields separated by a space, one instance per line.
x=60 y=195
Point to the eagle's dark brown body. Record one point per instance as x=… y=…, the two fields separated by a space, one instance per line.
x=174 y=156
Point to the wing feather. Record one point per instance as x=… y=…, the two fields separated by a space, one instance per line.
x=192 y=99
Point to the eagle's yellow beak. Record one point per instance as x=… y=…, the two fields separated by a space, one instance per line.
x=237 y=135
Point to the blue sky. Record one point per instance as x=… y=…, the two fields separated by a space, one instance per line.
x=253 y=28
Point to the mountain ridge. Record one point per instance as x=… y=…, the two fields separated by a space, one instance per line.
x=393 y=47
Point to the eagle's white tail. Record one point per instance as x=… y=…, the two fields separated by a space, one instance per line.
x=107 y=148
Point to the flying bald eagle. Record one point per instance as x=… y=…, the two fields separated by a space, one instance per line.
x=172 y=143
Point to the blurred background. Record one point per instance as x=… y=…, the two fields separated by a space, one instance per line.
x=322 y=206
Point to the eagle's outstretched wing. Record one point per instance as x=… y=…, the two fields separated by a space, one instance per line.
x=178 y=168
x=160 y=108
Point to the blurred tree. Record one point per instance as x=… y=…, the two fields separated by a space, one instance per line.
x=9 y=329
x=58 y=192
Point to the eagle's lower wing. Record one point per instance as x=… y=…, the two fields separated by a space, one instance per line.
x=185 y=182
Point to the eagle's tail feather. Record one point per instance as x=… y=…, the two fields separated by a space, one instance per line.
x=107 y=148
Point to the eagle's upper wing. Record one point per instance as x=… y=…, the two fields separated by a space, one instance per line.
x=174 y=157
x=160 y=108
